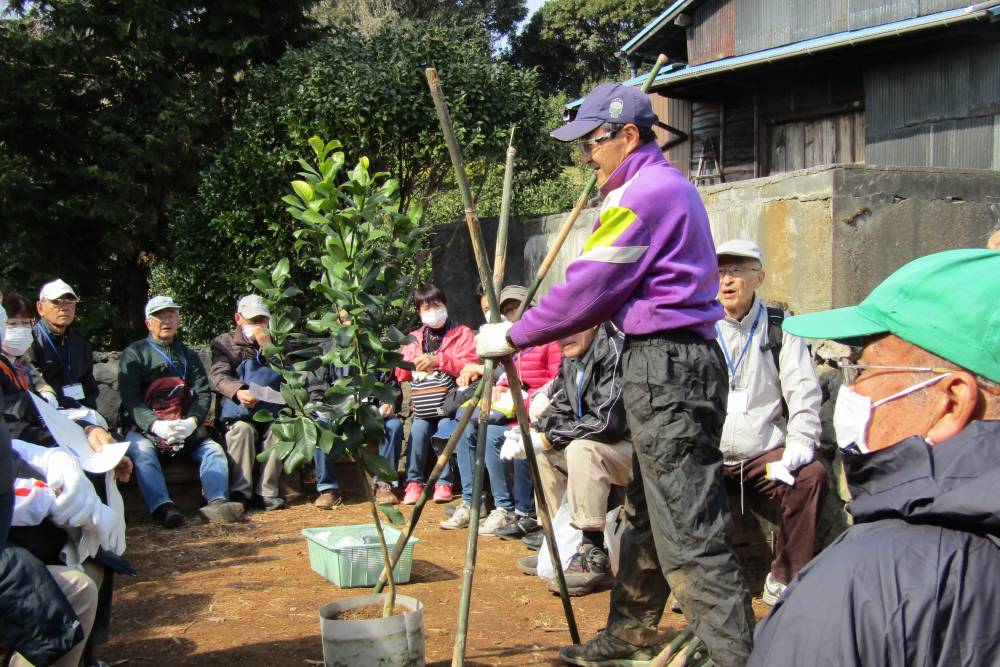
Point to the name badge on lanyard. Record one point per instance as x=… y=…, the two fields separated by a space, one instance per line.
x=74 y=391
x=738 y=402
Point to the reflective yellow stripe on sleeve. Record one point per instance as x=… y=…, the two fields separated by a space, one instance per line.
x=615 y=221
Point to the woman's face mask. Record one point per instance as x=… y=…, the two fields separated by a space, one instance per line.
x=17 y=340
x=486 y=314
x=434 y=317
x=853 y=412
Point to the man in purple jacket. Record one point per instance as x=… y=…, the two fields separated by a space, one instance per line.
x=650 y=267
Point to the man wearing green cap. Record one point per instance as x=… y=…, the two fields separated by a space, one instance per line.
x=914 y=581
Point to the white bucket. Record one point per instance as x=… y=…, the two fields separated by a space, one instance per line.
x=396 y=641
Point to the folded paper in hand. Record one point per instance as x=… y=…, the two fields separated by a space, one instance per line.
x=70 y=436
x=266 y=394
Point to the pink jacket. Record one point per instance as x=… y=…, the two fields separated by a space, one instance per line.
x=537 y=366
x=457 y=349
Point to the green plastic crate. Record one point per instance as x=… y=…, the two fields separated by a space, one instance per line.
x=350 y=567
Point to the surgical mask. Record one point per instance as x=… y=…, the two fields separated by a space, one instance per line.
x=250 y=332
x=486 y=314
x=17 y=340
x=434 y=318
x=853 y=412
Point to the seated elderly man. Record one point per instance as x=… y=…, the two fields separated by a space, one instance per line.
x=583 y=446
x=237 y=363
x=772 y=415
x=165 y=400
x=913 y=581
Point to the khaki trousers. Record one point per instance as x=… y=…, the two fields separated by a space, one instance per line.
x=241 y=447
x=584 y=472
x=80 y=588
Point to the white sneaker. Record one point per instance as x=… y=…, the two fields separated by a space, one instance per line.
x=458 y=519
x=498 y=518
x=772 y=590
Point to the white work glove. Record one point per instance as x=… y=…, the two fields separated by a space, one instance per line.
x=183 y=428
x=539 y=404
x=513 y=446
x=796 y=455
x=108 y=524
x=76 y=501
x=164 y=429
x=51 y=399
x=491 y=342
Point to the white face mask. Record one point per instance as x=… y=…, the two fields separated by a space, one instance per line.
x=250 y=332
x=17 y=340
x=852 y=412
x=434 y=318
x=486 y=314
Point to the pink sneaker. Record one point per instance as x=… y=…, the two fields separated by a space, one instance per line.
x=411 y=494
x=442 y=493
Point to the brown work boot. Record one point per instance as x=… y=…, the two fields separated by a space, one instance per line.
x=588 y=571
x=384 y=494
x=222 y=511
x=327 y=500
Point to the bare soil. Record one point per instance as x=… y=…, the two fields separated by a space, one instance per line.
x=367 y=613
x=244 y=594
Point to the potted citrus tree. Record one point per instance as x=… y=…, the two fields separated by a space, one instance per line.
x=338 y=306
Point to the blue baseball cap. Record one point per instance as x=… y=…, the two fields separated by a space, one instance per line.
x=608 y=103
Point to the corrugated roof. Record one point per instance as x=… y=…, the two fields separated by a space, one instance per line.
x=667 y=16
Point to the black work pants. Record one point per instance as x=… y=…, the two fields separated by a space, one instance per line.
x=678 y=535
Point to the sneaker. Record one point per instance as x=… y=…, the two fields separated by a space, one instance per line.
x=327 y=500
x=448 y=511
x=498 y=518
x=168 y=515
x=271 y=503
x=384 y=495
x=442 y=493
x=588 y=571
x=528 y=565
x=772 y=590
x=606 y=650
x=521 y=526
x=533 y=540
x=222 y=511
x=459 y=519
x=411 y=494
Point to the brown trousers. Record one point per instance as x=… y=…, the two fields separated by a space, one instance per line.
x=799 y=507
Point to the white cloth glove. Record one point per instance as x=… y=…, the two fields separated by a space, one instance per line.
x=183 y=428
x=163 y=428
x=491 y=342
x=513 y=444
x=539 y=404
x=108 y=524
x=51 y=399
x=796 y=455
x=76 y=500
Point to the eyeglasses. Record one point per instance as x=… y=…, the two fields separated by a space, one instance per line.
x=736 y=271
x=62 y=303
x=850 y=372
x=587 y=145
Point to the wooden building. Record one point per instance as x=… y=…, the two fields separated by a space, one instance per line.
x=761 y=87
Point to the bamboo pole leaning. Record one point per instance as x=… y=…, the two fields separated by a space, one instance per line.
x=479 y=248
x=581 y=203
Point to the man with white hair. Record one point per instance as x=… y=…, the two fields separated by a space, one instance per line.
x=772 y=414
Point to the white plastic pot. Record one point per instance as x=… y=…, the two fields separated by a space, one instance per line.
x=396 y=641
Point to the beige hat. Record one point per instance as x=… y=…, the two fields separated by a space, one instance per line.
x=513 y=293
x=252 y=306
x=740 y=248
x=158 y=303
x=55 y=289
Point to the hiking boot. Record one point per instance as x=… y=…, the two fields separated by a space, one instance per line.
x=521 y=526
x=498 y=518
x=442 y=493
x=588 y=571
x=222 y=511
x=458 y=519
x=411 y=494
x=528 y=565
x=271 y=503
x=327 y=500
x=533 y=540
x=772 y=590
x=168 y=516
x=606 y=650
x=384 y=495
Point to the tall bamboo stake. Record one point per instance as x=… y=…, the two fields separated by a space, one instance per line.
x=581 y=203
x=500 y=256
x=479 y=248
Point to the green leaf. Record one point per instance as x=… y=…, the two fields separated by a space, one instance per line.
x=294 y=461
x=303 y=190
x=280 y=271
x=393 y=514
x=263 y=416
x=378 y=466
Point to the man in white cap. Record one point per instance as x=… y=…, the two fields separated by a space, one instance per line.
x=772 y=414
x=64 y=358
x=165 y=399
x=238 y=365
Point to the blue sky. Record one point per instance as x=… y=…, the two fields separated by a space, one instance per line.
x=533 y=6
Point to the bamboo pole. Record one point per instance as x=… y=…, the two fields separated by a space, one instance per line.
x=390 y=598
x=500 y=256
x=581 y=203
x=479 y=248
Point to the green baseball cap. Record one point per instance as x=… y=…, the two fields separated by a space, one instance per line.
x=945 y=303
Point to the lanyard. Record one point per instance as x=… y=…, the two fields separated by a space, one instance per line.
x=733 y=368
x=68 y=364
x=182 y=374
x=580 y=375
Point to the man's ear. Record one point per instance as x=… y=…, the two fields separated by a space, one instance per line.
x=38 y=307
x=760 y=278
x=953 y=405
x=238 y=319
x=631 y=134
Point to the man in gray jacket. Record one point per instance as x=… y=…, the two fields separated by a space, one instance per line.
x=913 y=581
x=772 y=414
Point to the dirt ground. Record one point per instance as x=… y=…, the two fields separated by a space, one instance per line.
x=245 y=595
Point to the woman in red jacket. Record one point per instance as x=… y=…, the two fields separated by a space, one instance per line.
x=441 y=349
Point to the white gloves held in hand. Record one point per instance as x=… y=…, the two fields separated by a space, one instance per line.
x=796 y=455
x=491 y=343
x=183 y=428
x=174 y=430
x=76 y=500
x=513 y=444
x=539 y=404
x=110 y=529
